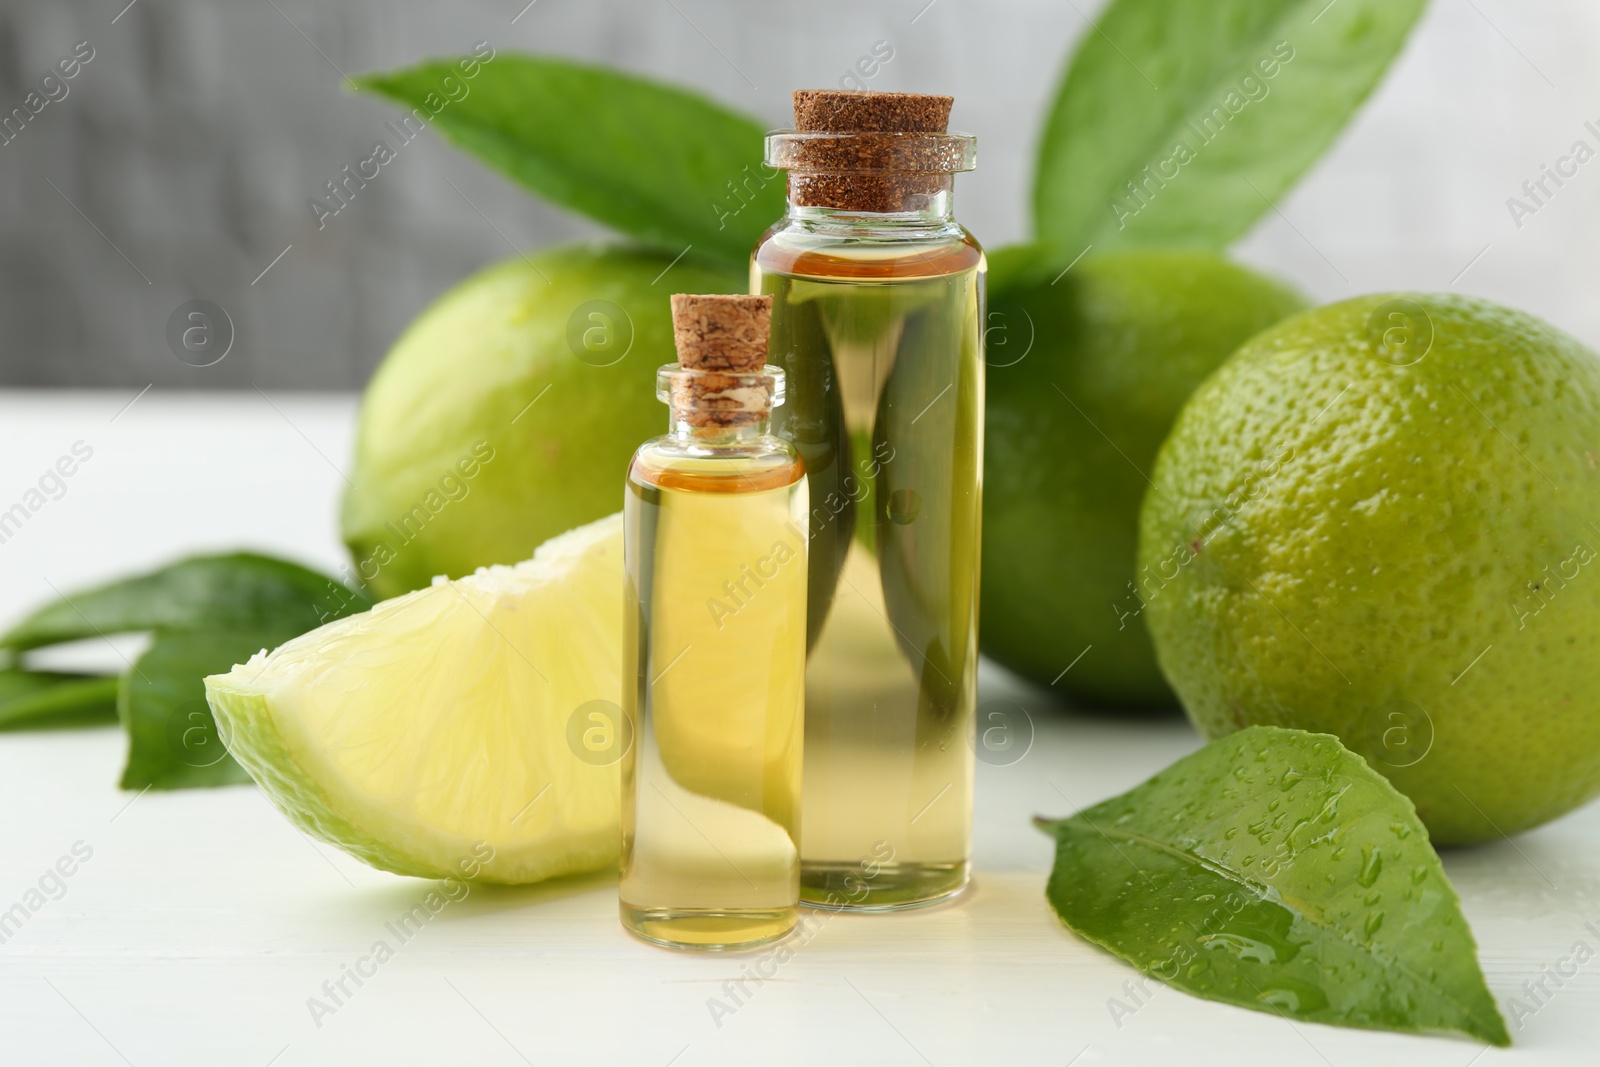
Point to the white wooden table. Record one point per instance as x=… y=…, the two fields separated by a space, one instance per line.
x=203 y=922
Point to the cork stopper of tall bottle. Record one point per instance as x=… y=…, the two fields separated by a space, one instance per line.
x=885 y=167
x=858 y=111
x=723 y=339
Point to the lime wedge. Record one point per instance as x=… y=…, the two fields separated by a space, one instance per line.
x=431 y=736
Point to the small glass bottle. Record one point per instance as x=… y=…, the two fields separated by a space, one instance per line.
x=877 y=320
x=714 y=647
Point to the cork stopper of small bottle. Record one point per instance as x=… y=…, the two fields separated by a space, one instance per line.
x=723 y=338
x=883 y=169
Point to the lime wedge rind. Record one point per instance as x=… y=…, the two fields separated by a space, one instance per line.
x=428 y=736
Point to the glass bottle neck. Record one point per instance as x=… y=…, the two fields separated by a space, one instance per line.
x=718 y=410
x=926 y=215
x=682 y=430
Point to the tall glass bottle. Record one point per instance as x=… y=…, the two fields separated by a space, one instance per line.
x=877 y=312
x=714 y=654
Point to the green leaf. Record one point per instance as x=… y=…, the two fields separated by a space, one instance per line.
x=238 y=591
x=661 y=164
x=1275 y=870
x=172 y=739
x=44 y=699
x=1150 y=71
x=208 y=613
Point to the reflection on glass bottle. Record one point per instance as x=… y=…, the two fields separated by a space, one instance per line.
x=716 y=548
x=877 y=305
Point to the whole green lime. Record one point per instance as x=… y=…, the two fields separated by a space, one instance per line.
x=508 y=411
x=1378 y=520
x=1085 y=377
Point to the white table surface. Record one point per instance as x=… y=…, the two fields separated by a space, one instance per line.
x=204 y=921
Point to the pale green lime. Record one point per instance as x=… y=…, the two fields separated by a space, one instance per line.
x=508 y=411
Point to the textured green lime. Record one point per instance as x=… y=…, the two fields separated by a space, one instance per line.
x=1378 y=521
x=1085 y=378
x=1275 y=870
x=509 y=409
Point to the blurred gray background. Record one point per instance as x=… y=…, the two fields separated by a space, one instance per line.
x=181 y=161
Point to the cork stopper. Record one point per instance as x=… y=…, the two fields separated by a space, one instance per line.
x=853 y=111
x=864 y=151
x=721 y=332
x=722 y=378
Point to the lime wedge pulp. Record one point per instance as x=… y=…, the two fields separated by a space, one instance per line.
x=430 y=735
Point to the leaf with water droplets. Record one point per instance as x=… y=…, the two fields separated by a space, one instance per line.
x=1345 y=917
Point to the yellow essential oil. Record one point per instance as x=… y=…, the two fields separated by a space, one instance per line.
x=877 y=323
x=714 y=654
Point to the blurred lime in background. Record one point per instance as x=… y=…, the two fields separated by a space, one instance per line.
x=1085 y=377
x=508 y=411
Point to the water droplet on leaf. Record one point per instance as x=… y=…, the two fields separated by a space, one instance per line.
x=1371 y=865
